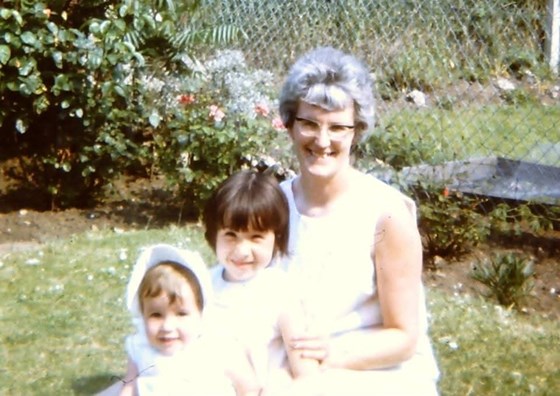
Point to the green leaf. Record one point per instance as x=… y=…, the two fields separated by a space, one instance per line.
x=154 y=119
x=5 y=13
x=5 y=54
x=61 y=83
x=94 y=27
x=94 y=60
x=9 y=38
x=28 y=38
x=21 y=125
x=120 y=91
x=41 y=104
x=57 y=57
x=53 y=28
x=123 y=10
x=104 y=27
x=18 y=17
x=27 y=67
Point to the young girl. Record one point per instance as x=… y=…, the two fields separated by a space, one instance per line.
x=246 y=221
x=170 y=353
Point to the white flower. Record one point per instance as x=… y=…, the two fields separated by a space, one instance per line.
x=33 y=261
x=123 y=255
x=56 y=288
x=450 y=342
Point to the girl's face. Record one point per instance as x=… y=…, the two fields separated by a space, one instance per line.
x=244 y=253
x=170 y=327
x=322 y=139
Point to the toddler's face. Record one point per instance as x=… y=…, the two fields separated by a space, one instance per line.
x=170 y=327
x=244 y=253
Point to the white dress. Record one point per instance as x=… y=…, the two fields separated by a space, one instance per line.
x=330 y=259
x=250 y=312
x=195 y=370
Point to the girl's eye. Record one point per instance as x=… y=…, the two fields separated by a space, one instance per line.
x=183 y=313
x=155 y=315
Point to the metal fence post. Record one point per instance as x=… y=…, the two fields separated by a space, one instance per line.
x=553 y=34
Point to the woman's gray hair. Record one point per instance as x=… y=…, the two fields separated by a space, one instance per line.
x=330 y=79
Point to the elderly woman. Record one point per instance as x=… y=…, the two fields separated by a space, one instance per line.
x=354 y=246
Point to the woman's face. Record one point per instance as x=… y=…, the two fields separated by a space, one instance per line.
x=322 y=139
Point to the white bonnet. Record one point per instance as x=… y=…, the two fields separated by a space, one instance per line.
x=155 y=254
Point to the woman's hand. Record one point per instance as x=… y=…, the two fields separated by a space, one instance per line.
x=313 y=347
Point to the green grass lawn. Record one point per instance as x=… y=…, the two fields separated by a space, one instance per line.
x=63 y=322
x=525 y=132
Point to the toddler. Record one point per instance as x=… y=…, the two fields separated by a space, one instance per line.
x=170 y=354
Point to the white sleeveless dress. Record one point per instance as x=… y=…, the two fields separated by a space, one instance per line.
x=330 y=260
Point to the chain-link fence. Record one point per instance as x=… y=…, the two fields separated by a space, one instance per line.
x=464 y=82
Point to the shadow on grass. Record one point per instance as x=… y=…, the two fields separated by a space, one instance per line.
x=94 y=384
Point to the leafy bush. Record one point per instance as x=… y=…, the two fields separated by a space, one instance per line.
x=72 y=100
x=208 y=126
x=67 y=109
x=506 y=276
x=396 y=148
x=508 y=220
x=449 y=221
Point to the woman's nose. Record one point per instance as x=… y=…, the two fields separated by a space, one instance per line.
x=323 y=138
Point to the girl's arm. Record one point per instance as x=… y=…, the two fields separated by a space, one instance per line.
x=292 y=324
x=397 y=255
x=241 y=372
x=124 y=387
x=129 y=380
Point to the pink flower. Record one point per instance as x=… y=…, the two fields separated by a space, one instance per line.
x=445 y=192
x=278 y=124
x=216 y=113
x=262 y=109
x=186 y=99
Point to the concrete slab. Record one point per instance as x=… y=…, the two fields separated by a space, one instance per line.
x=494 y=177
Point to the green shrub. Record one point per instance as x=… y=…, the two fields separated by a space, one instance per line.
x=507 y=277
x=394 y=147
x=208 y=126
x=450 y=222
x=508 y=220
x=73 y=107
x=66 y=108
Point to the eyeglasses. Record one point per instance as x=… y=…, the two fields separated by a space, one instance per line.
x=336 y=132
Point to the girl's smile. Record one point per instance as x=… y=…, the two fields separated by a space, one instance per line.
x=244 y=253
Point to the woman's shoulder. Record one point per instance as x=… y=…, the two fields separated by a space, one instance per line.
x=376 y=193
